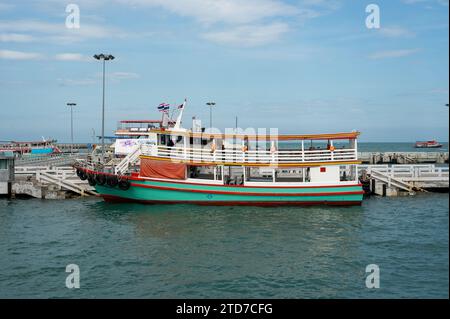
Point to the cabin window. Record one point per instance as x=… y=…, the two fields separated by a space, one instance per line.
x=163 y=139
x=205 y=172
x=348 y=173
x=3 y=164
x=258 y=174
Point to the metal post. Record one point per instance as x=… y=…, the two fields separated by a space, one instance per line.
x=210 y=104
x=71 y=128
x=71 y=105
x=103 y=116
x=104 y=58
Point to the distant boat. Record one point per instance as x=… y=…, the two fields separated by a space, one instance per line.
x=428 y=144
x=44 y=147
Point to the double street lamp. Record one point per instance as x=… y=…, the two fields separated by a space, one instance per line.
x=71 y=105
x=104 y=58
x=210 y=104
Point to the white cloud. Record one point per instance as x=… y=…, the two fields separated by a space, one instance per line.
x=393 y=54
x=119 y=76
x=242 y=23
x=19 y=55
x=15 y=37
x=224 y=11
x=395 y=32
x=440 y=2
x=440 y=91
x=57 y=32
x=72 y=57
x=6 y=6
x=248 y=36
x=114 y=77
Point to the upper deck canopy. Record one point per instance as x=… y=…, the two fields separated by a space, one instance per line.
x=287 y=137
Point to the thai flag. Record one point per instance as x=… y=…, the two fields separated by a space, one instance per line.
x=163 y=107
x=181 y=106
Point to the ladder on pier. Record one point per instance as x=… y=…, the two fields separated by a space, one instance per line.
x=48 y=178
x=401 y=176
x=129 y=160
x=64 y=177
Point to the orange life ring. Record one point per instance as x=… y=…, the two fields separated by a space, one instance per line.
x=332 y=148
x=244 y=148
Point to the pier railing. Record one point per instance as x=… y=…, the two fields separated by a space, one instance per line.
x=64 y=177
x=249 y=156
x=410 y=172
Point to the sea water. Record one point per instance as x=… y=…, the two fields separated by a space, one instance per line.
x=183 y=251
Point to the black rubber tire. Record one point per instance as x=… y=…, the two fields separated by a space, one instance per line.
x=79 y=172
x=124 y=184
x=112 y=181
x=100 y=179
x=83 y=176
x=91 y=180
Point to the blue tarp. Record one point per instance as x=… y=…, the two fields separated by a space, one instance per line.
x=48 y=150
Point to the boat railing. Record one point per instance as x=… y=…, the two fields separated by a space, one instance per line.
x=249 y=156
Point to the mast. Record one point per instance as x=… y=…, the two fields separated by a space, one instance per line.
x=180 y=115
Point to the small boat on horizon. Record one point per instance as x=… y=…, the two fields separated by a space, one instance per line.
x=428 y=144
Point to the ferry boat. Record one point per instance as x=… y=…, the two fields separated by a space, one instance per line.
x=428 y=144
x=173 y=165
x=44 y=147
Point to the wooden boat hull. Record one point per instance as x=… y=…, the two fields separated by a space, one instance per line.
x=162 y=192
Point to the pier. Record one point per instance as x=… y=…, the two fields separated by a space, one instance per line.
x=397 y=180
x=49 y=182
x=45 y=177
x=403 y=157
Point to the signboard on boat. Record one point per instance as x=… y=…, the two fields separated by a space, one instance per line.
x=126 y=146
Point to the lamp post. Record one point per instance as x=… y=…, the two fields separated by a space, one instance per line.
x=71 y=105
x=210 y=104
x=104 y=58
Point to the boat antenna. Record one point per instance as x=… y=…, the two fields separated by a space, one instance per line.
x=180 y=114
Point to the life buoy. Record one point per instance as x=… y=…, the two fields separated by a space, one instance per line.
x=213 y=147
x=100 y=179
x=273 y=149
x=124 y=184
x=244 y=148
x=112 y=181
x=332 y=148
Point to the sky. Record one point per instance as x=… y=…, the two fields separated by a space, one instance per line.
x=302 y=66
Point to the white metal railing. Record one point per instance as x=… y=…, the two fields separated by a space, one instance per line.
x=64 y=177
x=130 y=159
x=409 y=172
x=251 y=156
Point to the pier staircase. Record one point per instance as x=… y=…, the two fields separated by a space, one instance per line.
x=63 y=178
x=129 y=160
x=406 y=178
